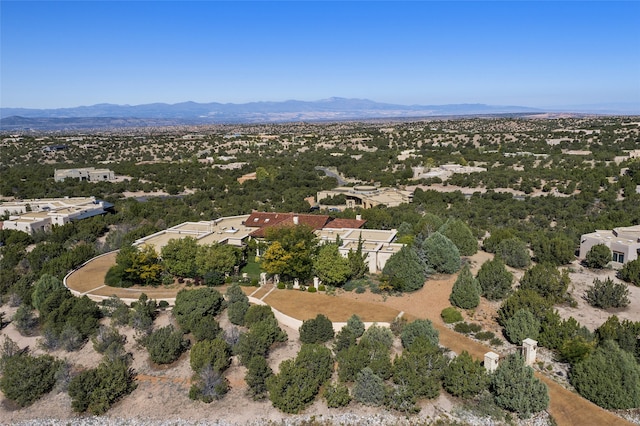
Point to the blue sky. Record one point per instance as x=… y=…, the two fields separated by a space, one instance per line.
x=541 y=54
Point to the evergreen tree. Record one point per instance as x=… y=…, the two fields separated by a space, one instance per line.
x=369 y=389
x=521 y=326
x=494 y=279
x=404 y=271
x=466 y=291
x=416 y=329
x=441 y=254
x=316 y=330
x=460 y=235
x=609 y=377
x=546 y=280
x=465 y=377
x=598 y=256
x=514 y=252
x=258 y=371
x=516 y=389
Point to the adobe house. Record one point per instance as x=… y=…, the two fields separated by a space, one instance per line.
x=624 y=243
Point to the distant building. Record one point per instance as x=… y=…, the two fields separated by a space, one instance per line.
x=624 y=243
x=54 y=148
x=41 y=214
x=367 y=196
x=89 y=174
x=444 y=171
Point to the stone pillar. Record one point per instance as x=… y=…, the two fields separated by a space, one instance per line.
x=263 y=278
x=529 y=349
x=316 y=282
x=276 y=279
x=491 y=361
x=296 y=283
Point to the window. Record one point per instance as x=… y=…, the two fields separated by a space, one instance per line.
x=618 y=257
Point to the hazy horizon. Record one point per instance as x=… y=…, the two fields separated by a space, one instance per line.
x=534 y=54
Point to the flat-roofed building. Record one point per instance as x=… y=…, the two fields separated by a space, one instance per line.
x=624 y=243
x=89 y=174
x=378 y=244
x=41 y=214
x=226 y=230
x=367 y=196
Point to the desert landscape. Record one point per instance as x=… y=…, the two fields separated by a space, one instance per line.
x=165 y=388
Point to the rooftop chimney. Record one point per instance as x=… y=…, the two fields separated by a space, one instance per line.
x=296 y=220
x=358 y=217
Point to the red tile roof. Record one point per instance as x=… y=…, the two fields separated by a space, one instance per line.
x=265 y=220
x=345 y=223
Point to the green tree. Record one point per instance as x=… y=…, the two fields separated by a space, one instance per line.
x=546 y=280
x=607 y=294
x=419 y=328
x=522 y=325
x=609 y=377
x=45 y=285
x=598 y=256
x=81 y=313
x=299 y=380
x=221 y=258
x=514 y=252
x=24 y=320
x=179 y=256
x=404 y=270
x=624 y=333
x=258 y=371
x=165 y=345
x=466 y=290
x=316 y=330
x=379 y=334
x=194 y=306
x=465 y=377
x=558 y=250
x=524 y=299
x=630 y=272
x=26 y=378
x=237 y=304
x=420 y=368
x=331 y=267
x=494 y=279
x=355 y=324
x=143 y=313
x=95 y=390
x=516 y=389
x=460 y=235
x=357 y=261
x=490 y=244
x=259 y=339
x=369 y=389
x=337 y=395
x=441 y=254
x=291 y=252
x=215 y=353
x=257 y=313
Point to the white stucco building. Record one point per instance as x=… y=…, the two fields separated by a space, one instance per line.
x=623 y=242
x=89 y=174
x=41 y=214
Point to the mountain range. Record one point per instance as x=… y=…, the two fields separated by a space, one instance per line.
x=332 y=109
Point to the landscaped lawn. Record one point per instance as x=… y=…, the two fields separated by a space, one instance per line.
x=252 y=269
